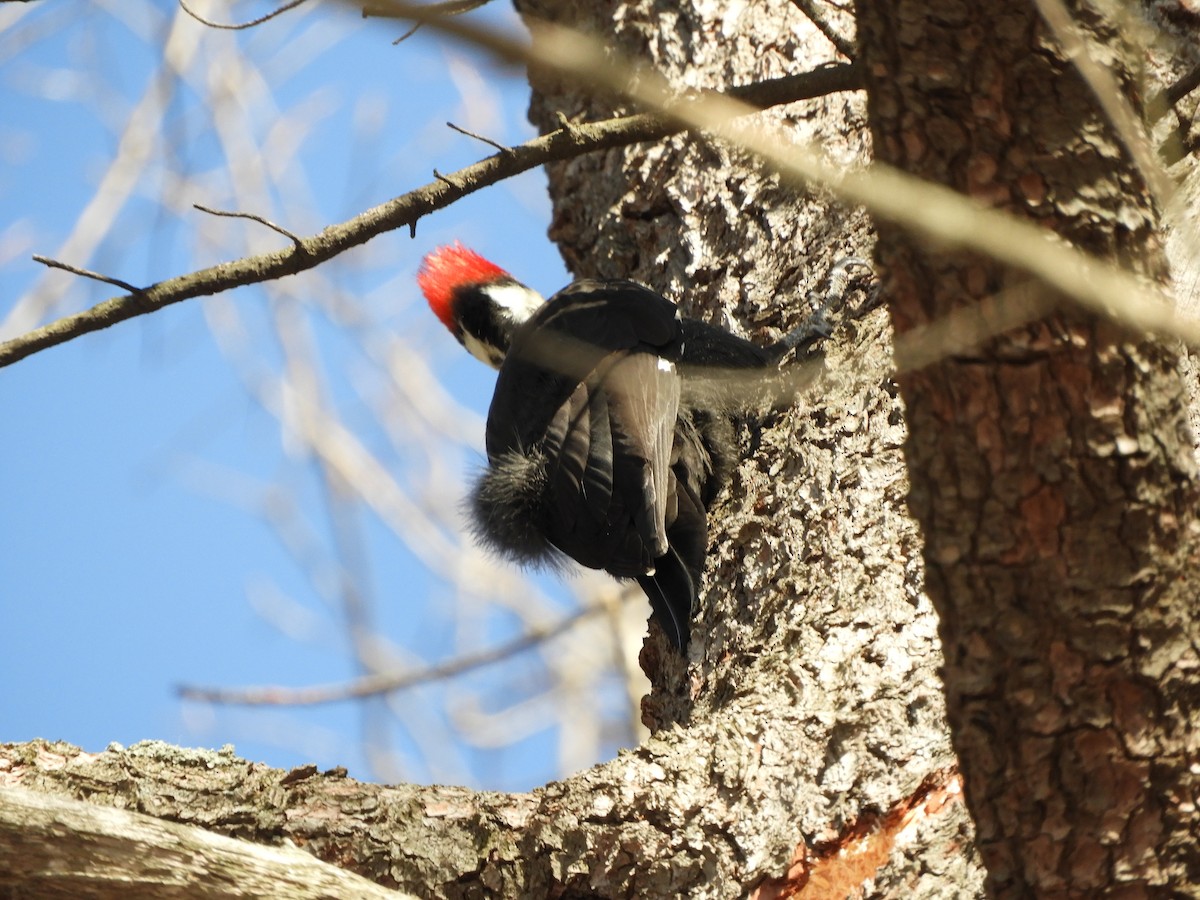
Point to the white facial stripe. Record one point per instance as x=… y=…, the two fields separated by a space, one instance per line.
x=517 y=300
x=485 y=353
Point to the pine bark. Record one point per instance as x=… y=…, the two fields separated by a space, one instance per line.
x=1051 y=470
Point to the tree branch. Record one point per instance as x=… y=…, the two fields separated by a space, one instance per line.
x=407 y=209
x=415 y=838
x=58 y=847
x=386 y=682
x=86 y=273
x=479 y=137
x=278 y=229
x=241 y=26
x=844 y=45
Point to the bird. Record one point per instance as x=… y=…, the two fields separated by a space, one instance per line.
x=611 y=428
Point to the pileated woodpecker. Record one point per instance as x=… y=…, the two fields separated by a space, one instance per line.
x=610 y=431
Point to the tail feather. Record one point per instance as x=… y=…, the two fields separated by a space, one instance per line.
x=672 y=594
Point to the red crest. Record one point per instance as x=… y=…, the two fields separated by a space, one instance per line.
x=449 y=268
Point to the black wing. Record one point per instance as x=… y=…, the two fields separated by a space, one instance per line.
x=585 y=410
x=567 y=341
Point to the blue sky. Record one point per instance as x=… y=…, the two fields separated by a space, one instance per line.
x=136 y=465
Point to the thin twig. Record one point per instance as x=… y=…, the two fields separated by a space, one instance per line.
x=406 y=210
x=86 y=273
x=1184 y=86
x=445 y=179
x=404 y=37
x=809 y=8
x=299 y=242
x=480 y=137
x=291 y=4
x=1161 y=103
x=446 y=8
x=386 y=682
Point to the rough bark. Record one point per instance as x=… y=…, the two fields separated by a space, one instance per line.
x=816 y=639
x=1051 y=471
x=1179 y=127
x=803 y=750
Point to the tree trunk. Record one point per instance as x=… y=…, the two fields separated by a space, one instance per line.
x=815 y=641
x=1051 y=469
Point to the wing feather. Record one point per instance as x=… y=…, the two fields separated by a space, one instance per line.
x=644 y=394
x=590 y=387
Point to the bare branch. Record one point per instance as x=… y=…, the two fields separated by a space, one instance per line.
x=291 y=4
x=1178 y=145
x=387 y=682
x=479 y=137
x=86 y=273
x=823 y=25
x=299 y=242
x=1184 y=86
x=407 y=209
x=404 y=37
x=447 y=8
x=60 y=847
